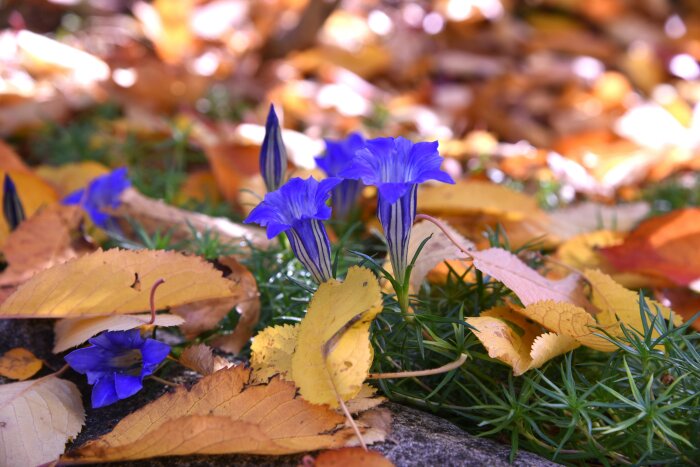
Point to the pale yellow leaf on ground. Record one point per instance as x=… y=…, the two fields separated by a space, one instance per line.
x=68 y=178
x=525 y=282
x=71 y=332
x=617 y=304
x=438 y=249
x=569 y=320
x=38 y=418
x=201 y=359
x=366 y=399
x=271 y=352
x=100 y=284
x=516 y=341
x=47 y=238
x=588 y=216
x=356 y=457
x=19 y=363
x=221 y=414
x=333 y=351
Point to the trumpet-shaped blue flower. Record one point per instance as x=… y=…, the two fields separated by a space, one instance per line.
x=116 y=364
x=102 y=193
x=396 y=167
x=11 y=204
x=339 y=156
x=273 y=154
x=298 y=209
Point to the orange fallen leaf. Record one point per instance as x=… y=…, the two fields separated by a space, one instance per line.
x=221 y=414
x=19 y=363
x=681 y=300
x=346 y=457
x=665 y=247
x=201 y=359
x=10 y=160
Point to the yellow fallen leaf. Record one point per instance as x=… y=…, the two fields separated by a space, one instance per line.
x=47 y=238
x=512 y=339
x=68 y=178
x=33 y=192
x=525 y=282
x=221 y=414
x=271 y=352
x=333 y=353
x=569 y=320
x=38 y=418
x=619 y=305
x=201 y=359
x=71 y=332
x=19 y=363
x=100 y=284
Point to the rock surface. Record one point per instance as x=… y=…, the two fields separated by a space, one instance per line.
x=418 y=438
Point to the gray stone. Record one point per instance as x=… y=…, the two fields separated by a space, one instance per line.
x=418 y=438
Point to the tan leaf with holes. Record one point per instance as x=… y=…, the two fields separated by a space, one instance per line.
x=100 y=284
x=221 y=414
x=19 y=363
x=38 y=418
x=201 y=359
x=71 y=332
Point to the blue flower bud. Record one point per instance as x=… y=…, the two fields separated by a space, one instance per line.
x=273 y=154
x=11 y=204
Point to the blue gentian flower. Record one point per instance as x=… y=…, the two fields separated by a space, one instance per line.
x=273 y=154
x=11 y=204
x=116 y=363
x=102 y=193
x=396 y=167
x=339 y=156
x=298 y=209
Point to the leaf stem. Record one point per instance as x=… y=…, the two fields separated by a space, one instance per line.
x=411 y=374
x=152 y=299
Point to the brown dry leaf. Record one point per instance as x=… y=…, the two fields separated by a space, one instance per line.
x=34 y=193
x=201 y=359
x=156 y=215
x=512 y=339
x=99 y=284
x=247 y=301
x=681 y=300
x=588 y=216
x=71 y=332
x=665 y=247
x=569 y=320
x=47 y=238
x=525 y=282
x=222 y=414
x=10 y=160
x=366 y=399
x=19 y=363
x=200 y=186
x=68 y=178
x=347 y=457
x=38 y=418
x=271 y=352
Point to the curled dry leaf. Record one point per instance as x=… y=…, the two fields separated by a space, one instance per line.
x=19 y=363
x=222 y=414
x=357 y=457
x=71 y=332
x=201 y=359
x=525 y=282
x=665 y=247
x=568 y=320
x=156 y=215
x=271 y=352
x=99 y=284
x=523 y=350
x=333 y=353
x=38 y=418
x=47 y=238
x=247 y=302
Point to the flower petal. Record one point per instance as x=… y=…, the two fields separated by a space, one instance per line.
x=104 y=393
x=126 y=385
